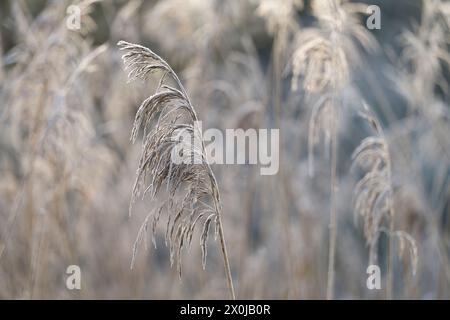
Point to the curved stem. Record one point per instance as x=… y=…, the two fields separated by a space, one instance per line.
x=223 y=246
x=226 y=260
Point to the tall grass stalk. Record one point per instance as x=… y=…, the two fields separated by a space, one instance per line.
x=175 y=115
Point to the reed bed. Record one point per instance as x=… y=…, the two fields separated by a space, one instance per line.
x=364 y=151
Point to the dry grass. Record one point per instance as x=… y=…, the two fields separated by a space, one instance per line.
x=322 y=59
x=374 y=198
x=351 y=190
x=192 y=191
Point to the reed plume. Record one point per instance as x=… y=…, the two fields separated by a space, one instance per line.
x=321 y=60
x=373 y=198
x=192 y=193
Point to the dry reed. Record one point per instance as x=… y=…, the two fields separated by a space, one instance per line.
x=175 y=115
x=373 y=198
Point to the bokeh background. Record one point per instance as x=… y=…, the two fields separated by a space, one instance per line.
x=67 y=165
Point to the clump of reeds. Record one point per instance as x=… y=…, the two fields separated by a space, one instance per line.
x=321 y=60
x=47 y=121
x=191 y=191
x=373 y=198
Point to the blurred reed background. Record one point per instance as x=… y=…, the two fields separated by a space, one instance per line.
x=310 y=68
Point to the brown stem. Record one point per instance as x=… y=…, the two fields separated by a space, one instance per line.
x=390 y=273
x=223 y=246
x=225 y=260
x=332 y=226
x=333 y=218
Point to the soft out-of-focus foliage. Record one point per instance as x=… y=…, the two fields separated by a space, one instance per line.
x=67 y=166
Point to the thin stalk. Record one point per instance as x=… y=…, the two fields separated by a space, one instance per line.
x=333 y=218
x=226 y=260
x=223 y=246
x=334 y=148
x=390 y=267
x=278 y=60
